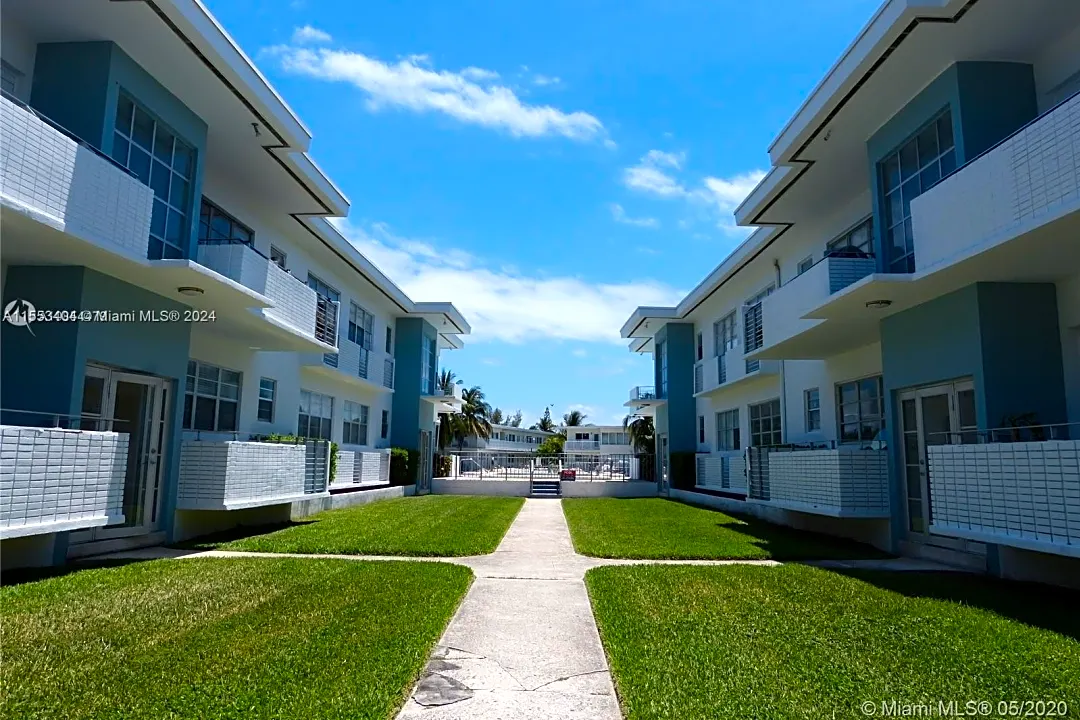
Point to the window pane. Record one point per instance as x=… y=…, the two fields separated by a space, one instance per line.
x=174 y=227
x=143 y=132
x=226 y=415
x=909 y=161
x=163 y=145
x=928 y=145
x=868 y=388
x=945 y=134
x=948 y=163
x=178 y=193
x=188 y=401
x=220 y=227
x=159 y=180
x=930 y=176
x=910 y=190
x=890 y=172
x=124 y=109
x=182 y=159
x=120 y=149
x=849 y=393
x=139 y=163
x=157 y=220
x=908 y=409
x=266 y=411
x=204 y=413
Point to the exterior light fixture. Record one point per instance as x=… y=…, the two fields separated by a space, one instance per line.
x=190 y=290
x=878 y=304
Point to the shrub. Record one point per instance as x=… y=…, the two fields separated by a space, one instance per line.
x=403 y=464
x=552 y=445
x=297 y=440
x=444 y=465
x=683 y=470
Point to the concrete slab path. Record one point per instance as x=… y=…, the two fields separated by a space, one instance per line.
x=523 y=644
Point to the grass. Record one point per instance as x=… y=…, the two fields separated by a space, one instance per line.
x=431 y=526
x=224 y=638
x=653 y=528
x=801 y=642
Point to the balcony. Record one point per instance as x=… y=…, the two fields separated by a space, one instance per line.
x=643 y=399
x=54 y=480
x=1020 y=494
x=572 y=446
x=1028 y=180
x=294 y=318
x=234 y=475
x=786 y=331
x=446 y=400
x=366 y=368
x=730 y=369
x=359 y=469
x=839 y=482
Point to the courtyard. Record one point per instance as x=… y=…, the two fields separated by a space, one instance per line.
x=511 y=608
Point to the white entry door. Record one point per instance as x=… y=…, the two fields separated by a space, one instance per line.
x=136 y=405
x=937 y=415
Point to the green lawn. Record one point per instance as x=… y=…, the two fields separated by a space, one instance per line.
x=801 y=642
x=653 y=528
x=223 y=638
x=432 y=525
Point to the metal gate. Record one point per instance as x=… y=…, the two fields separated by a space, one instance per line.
x=757 y=472
x=423 y=473
x=316 y=465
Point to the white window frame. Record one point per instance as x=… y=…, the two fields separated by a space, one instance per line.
x=361 y=326
x=195 y=391
x=774 y=435
x=384 y=425
x=854 y=409
x=812 y=407
x=354 y=423
x=267 y=394
x=727 y=430
x=804 y=265
x=279 y=257
x=313 y=405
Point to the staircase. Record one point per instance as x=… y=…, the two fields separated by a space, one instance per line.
x=544 y=489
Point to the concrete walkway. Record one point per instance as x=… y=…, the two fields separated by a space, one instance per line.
x=523 y=644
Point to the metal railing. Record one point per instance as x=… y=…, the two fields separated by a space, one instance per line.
x=571 y=446
x=326 y=323
x=643 y=392
x=61 y=421
x=522 y=466
x=1010 y=434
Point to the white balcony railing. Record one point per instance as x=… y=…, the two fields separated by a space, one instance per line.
x=373 y=366
x=571 y=446
x=50 y=175
x=1022 y=494
x=358 y=468
x=730 y=368
x=1028 y=179
x=295 y=304
x=54 y=480
x=232 y=475
x=782 y=311
x=838 y=482
x=644 y=393
x=725 y=471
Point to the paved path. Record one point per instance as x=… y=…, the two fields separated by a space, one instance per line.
x=523 y=644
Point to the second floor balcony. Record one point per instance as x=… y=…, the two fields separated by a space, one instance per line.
x=367 y=367
x=446 y=400
x=730 y=369
x=571 y=446
x=644 y=399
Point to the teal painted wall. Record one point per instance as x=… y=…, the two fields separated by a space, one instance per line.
x=37 y=363
x=69 y=86
x=1005 y=336
x=78 y=84
x=988 y=101
x=678 y=339
x=405 y=420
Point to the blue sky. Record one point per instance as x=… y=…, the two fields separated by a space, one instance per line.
x=547 y=165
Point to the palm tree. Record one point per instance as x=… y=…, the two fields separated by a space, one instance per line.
x=574 y=418
x=446 y=380
x=545 y=423
x=474 y=418
x=642 y=432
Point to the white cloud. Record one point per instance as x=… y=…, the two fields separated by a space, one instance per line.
x=655 y=175
x=471 y=96
x=308 y=35
x=580 y=352
x=545 y=80
x=619 y=215
x=507 y=306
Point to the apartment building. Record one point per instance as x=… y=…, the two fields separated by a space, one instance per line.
x=508 y=438
x=601 y=439
x=175 y=294
x=894 y=353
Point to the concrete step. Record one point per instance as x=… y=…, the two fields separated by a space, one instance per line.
x=970 y=557
x=102 y=547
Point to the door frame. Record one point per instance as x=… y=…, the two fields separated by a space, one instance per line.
x=425 y=471
x=156 y=432
x=663 y=477
x=951 y=389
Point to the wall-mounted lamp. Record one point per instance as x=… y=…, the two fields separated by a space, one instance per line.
x=878 y=304
x=190 y=290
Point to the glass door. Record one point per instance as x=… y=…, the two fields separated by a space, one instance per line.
x=662 y=447
x=423 y=478
x=136 y=405
x=937 y=415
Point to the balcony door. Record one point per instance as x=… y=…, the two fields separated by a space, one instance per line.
x=136 y=405
x=937 y=415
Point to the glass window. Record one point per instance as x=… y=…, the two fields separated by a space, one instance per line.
x=661 y=360
x=162 y=161
x=278 y=257
x=211 y=398
x=361 y=324
x=812 y=399
x=385 y=429
x=389 y=341
x=428 y=360
x=323 y=289
x=727 y=430
x=701 y=429
x=752 y=325
x=860 y=238
x=316 y=415
x=765 y=423
x=806 y=264
x=267 y=396
x=9 y=78
x=700 y=346
x=354 y=423
x=914 y=168
x=860 y=409
x=216 y=224
x=724 y=335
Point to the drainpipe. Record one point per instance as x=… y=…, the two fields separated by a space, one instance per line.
x=783 y=378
